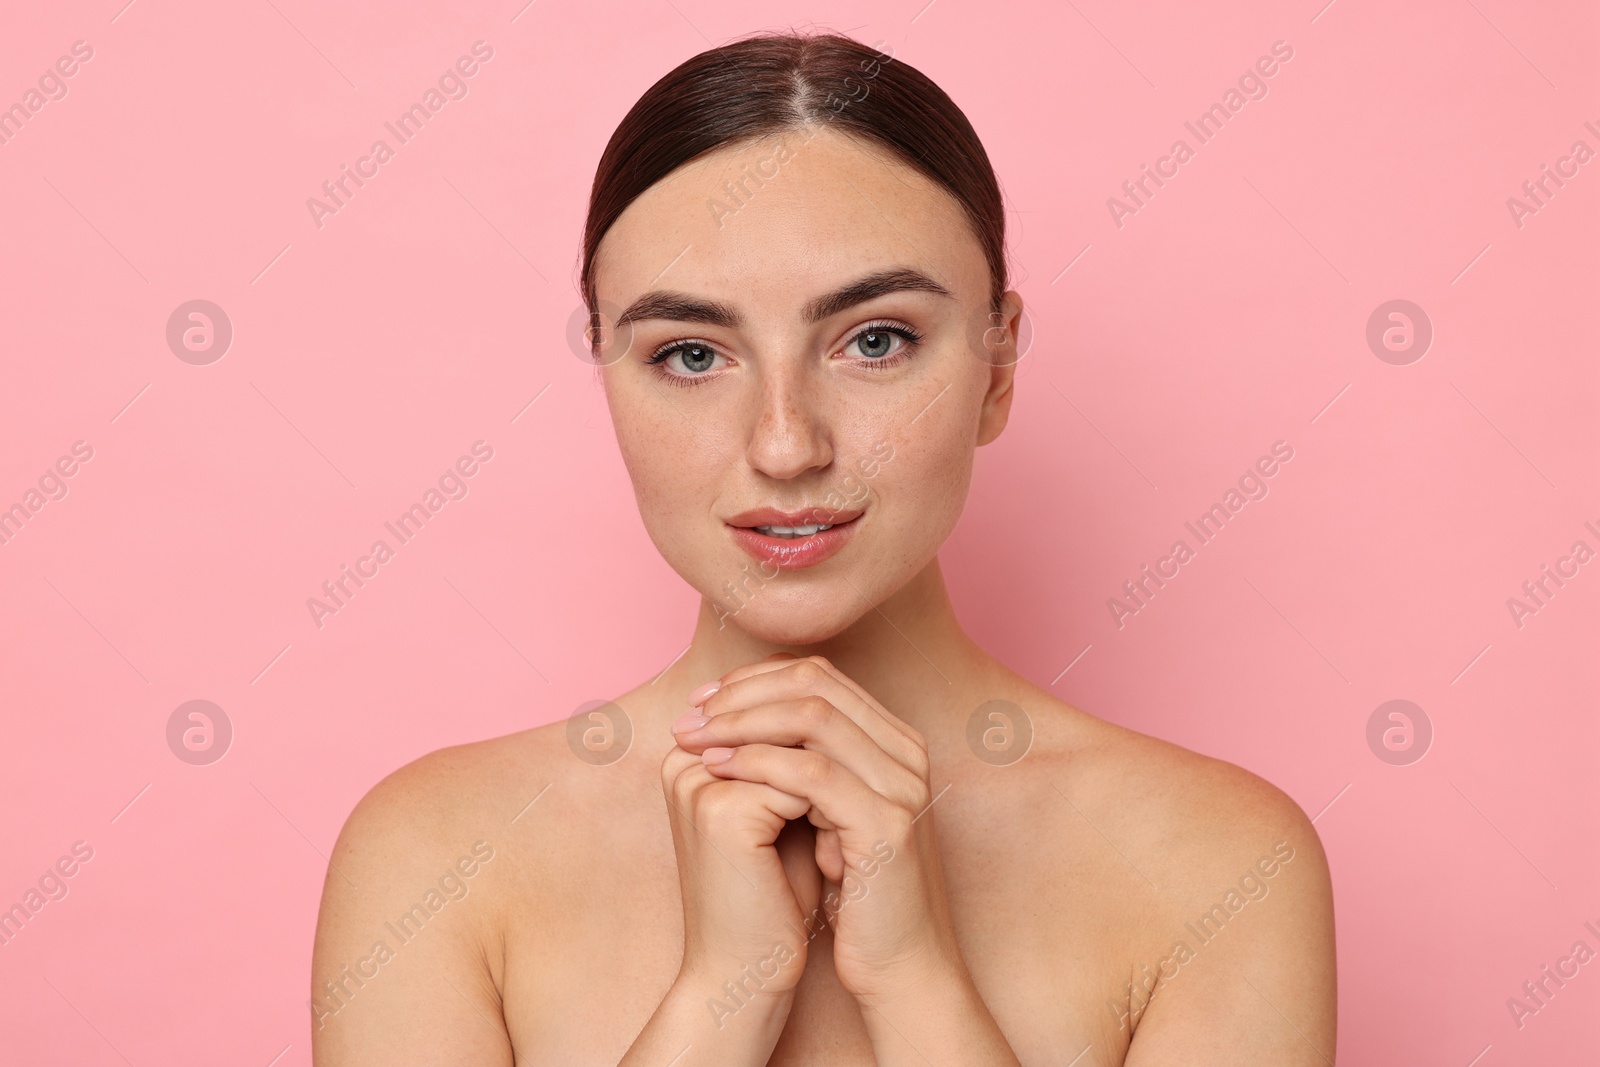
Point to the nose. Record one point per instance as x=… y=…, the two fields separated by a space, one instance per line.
x=790 y=435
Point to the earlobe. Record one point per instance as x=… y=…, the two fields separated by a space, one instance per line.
x=1003 y=358
x=996 y=405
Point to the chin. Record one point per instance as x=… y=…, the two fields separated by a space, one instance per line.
x=793 y=624
x=794 y=636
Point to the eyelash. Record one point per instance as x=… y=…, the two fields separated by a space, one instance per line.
x=910 y=336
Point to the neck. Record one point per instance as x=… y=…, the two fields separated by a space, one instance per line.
x=909 y=652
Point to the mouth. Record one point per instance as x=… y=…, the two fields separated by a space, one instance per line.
x=792 y=531
x=790 y=540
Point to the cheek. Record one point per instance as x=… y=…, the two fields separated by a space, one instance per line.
x=924 y=487
x=676 y=468
x=665 y=462
x=657 y=448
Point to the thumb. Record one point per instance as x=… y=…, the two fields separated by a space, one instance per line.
x=797 y=849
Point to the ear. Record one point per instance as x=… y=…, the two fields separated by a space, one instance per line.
x=1001 y=353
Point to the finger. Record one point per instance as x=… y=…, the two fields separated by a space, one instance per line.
x=807 y=677
x=684 y=773
x=797 y=846
x=772 y=662
x=842 y=798
x=865 y=697
x=809 y=722
x=830 y=855
x=685 y=777
x=774 y=679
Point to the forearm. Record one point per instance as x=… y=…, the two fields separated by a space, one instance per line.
x=943 y=1020
x=699 y=1025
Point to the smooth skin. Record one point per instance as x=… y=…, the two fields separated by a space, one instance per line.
x=810 y=865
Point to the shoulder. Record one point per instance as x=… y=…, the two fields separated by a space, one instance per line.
x=1182 y=810
x=442 y=792
x=413 y=898
x=447 y=801
x=1195 y=807
x=1235 y=933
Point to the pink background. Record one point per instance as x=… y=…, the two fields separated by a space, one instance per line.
x=1228 y=313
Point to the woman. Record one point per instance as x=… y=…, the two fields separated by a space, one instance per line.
x=835 y=831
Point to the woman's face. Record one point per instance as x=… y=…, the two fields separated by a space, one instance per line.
x=796 y=333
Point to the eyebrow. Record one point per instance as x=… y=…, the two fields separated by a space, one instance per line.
x=669 y=304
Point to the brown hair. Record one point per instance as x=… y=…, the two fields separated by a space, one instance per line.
x=773 y=83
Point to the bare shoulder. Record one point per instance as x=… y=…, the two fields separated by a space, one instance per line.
x=449 y=792
x=407 y=957
x=1234 y=944
x=1194 y=808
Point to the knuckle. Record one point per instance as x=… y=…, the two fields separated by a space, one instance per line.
x=809 y=672
x=672 y=765
x=919 y=763
x=678 y=774
x=680 y=790
x=898 y=821
x=815 y=713
x=716 y=803
x=918 y=797
x=815 y=768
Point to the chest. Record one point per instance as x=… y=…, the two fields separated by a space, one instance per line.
x=1042 y=932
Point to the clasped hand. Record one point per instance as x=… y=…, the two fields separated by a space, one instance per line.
x=836 y=757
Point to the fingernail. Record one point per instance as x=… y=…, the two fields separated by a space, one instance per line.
x=701 y=695
x=689 y=721
x=716 y=755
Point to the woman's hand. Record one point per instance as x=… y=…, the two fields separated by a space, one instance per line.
x=803 y=729
x=748 y=882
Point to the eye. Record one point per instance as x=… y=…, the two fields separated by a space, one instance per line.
x=683 y=361
x=882 y=344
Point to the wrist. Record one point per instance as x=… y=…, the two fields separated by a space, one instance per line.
x=939 y=1018
x=945 y=984
x=744 y=996
x=927 y=971
x=686 y=1031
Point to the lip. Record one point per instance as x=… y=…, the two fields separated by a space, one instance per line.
x=803 y=517
x=788 y=553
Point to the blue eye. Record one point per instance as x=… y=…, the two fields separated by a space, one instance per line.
x=696 y=357
x=877 y=345
x=875 y=342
